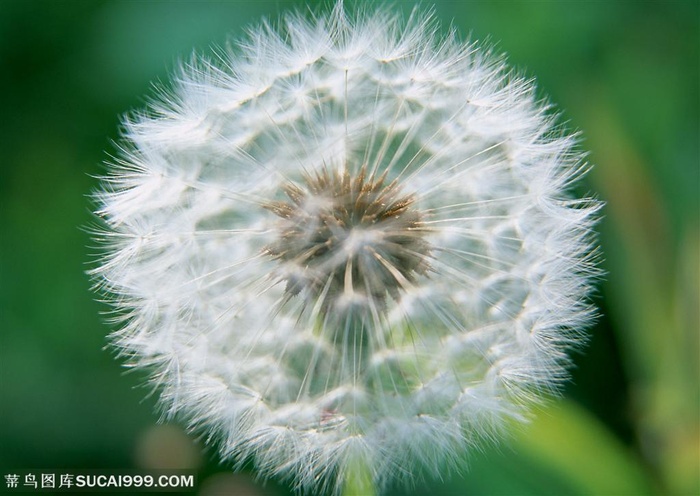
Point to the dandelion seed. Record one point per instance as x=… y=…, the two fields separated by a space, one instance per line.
x=347 y=243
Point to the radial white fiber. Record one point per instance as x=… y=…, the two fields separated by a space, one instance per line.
x=347 y=239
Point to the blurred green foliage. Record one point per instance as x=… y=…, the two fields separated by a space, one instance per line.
x=627 y=75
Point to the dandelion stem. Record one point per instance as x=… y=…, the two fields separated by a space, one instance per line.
x=358 y=480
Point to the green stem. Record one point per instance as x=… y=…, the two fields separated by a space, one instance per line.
x=358 y=480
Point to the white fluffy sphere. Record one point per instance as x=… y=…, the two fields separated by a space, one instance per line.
x=347 y=240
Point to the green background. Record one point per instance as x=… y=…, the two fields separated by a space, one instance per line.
x=624 y=73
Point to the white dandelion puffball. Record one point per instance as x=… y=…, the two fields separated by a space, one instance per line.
x=347 y=241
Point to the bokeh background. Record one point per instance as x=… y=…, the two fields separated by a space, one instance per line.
x=624 y=73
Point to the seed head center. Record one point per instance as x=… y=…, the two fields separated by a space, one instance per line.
x=346 y=239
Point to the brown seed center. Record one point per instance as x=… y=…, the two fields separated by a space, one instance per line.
x=345 y=240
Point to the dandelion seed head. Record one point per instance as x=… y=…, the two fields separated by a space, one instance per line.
x=347 y=238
